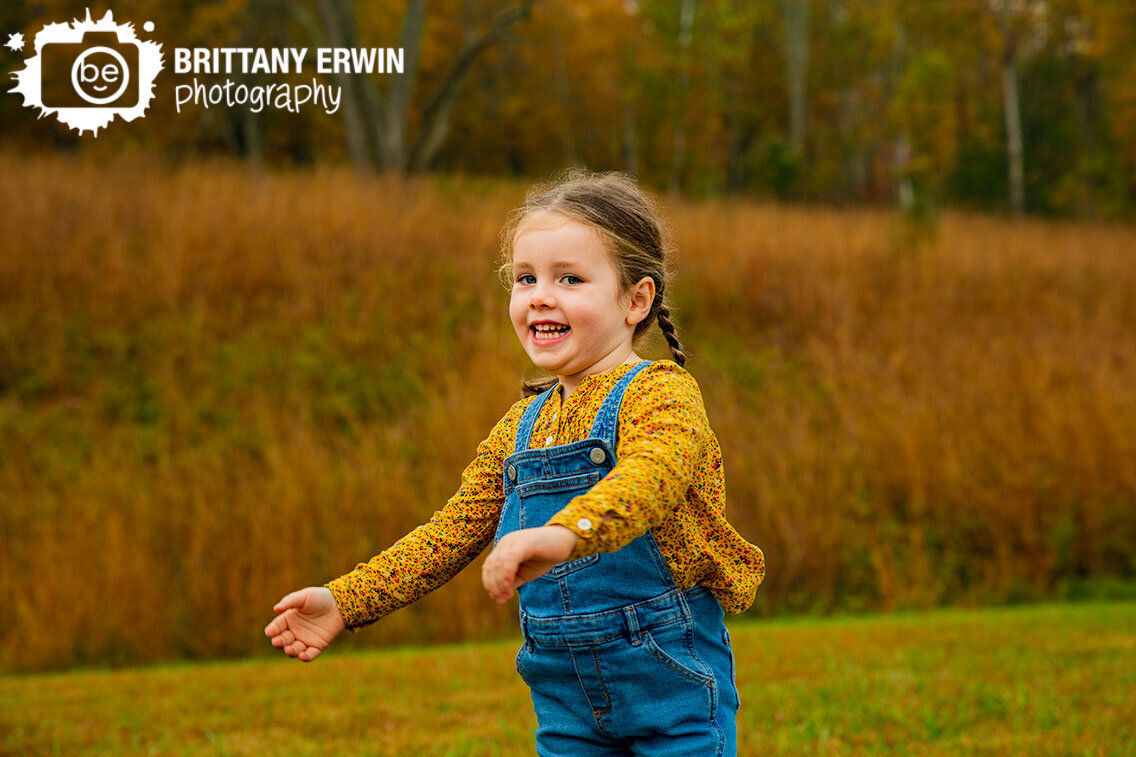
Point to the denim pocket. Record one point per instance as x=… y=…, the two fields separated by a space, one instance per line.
x=570 y=482
x=667 y=644
x=564 y=568
x=517 y=661
x=730 y=649
x=672 y=645
x=733 y=664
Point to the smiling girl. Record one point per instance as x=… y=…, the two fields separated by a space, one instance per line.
x=602 y=492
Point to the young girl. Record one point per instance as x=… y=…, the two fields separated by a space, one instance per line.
x=602 y=492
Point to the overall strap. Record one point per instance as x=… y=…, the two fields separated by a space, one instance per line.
x=606 y=424
x=528 y=420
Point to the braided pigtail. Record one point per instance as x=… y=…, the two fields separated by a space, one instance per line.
x=668 y=328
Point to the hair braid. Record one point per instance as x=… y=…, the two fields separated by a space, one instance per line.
x=668 y=328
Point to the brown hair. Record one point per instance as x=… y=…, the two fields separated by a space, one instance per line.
x=626 y=219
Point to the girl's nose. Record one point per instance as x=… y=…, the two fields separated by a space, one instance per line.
x=542 y=297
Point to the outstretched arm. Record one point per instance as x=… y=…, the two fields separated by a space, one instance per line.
x=432 y=554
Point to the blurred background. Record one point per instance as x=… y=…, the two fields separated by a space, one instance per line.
x=1007 y=105
x=242 y=352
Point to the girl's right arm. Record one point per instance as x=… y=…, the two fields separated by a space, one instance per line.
x=432 y=554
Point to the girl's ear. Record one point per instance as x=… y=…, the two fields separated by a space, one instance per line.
x=642 y=296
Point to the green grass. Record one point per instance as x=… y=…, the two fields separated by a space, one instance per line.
x=1051 y=679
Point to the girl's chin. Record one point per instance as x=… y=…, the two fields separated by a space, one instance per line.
x=548 y=361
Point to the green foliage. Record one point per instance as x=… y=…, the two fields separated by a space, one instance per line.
x=774 y=166
x=923 y=111
x=979 y=177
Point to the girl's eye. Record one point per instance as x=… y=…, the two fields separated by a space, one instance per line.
x=523 y=276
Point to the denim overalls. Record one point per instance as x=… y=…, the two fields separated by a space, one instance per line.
x=619 y=659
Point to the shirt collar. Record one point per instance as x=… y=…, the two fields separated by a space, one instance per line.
x=593 y=380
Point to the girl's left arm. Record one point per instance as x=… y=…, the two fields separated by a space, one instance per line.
x=662 y=431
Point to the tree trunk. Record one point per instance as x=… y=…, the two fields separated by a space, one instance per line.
x=1010 y=107
x=392 y=129
x=328 y=32
x=436 y=114
x=630 y=143
x=712 y=106
x=376 y=127
x=685 y=35
x=1013 y=136
x=797 y=69
x=905 y=193
x=563 y=99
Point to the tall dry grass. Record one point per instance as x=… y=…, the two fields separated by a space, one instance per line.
x=219 y=384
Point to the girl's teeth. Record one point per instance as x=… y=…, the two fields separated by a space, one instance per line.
x=549 y=334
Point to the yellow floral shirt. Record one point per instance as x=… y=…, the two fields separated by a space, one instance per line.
x=668 y=477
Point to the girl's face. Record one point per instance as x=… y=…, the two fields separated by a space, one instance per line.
x=563 y=277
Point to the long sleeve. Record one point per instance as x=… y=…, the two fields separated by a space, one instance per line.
x=432 y=554
x=662 y=431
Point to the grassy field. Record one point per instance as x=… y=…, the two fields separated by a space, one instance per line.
x=1051 y=679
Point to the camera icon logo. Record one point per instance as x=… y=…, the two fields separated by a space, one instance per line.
x=89 y=72
x=97 y=71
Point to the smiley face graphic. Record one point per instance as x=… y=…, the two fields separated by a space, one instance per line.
x=100 y=75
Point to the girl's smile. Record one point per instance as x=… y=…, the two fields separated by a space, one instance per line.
x=546 y=333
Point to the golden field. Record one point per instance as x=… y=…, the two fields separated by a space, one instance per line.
x=219 y=384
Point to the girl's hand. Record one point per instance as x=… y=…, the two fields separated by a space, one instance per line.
x=520 y=556
x=310 y=622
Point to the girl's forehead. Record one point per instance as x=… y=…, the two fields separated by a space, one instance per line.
x=556 y=236
x=544 y=220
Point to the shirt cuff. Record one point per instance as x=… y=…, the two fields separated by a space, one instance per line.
x=584 y=526
x=340 y=590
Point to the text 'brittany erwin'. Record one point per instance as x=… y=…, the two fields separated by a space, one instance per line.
x=286 y=60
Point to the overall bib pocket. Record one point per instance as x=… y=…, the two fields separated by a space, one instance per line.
x=579 y=483
x=564 y=568
x=563 y=487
